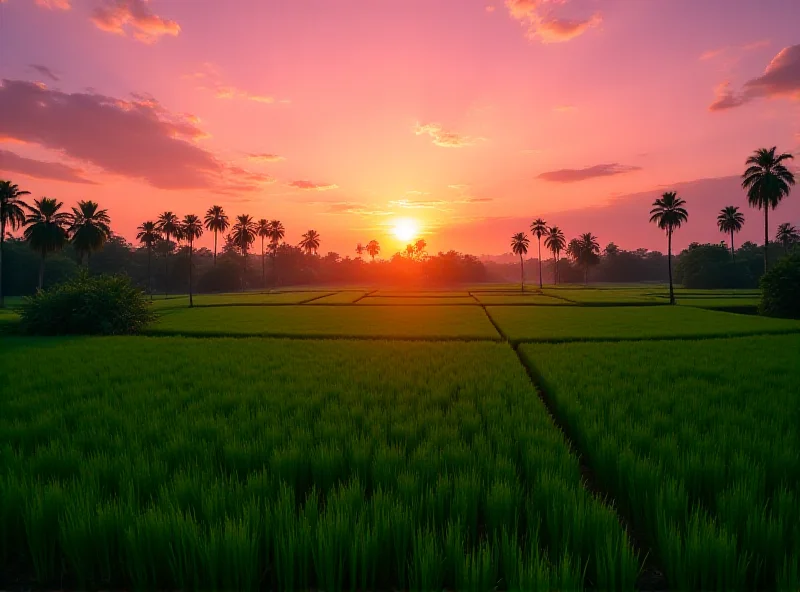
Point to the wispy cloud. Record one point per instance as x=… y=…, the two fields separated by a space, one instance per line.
x=310 y=186
x=445 y=138
x=542 y=23
x=54 y=4
x=265 y=158
x=45 y=71
x=121 y=16
x=780 y=79
x=209 y=78
x=14 y=163
x=733 y=52
x=592 y=172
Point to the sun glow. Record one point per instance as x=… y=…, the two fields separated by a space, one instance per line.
x=406 y=229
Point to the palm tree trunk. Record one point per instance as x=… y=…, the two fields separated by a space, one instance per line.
x=540 y=262
x=41 y=269
x=166 y=268
x=263 y=266
x=733 y=252
x=215 y=247
x=766 y=238
x=2 y=244
x=149 y=274
x=191 y=248
x=669 y=265
x=521 y=275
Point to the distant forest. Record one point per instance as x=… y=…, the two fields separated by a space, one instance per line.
x=699 y=266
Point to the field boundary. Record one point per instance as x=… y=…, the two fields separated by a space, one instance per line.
x=703 y=337
x=320 y=336
x=316 y=298
x=361 y=297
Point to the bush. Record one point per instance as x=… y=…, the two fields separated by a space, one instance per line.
x=780 y=289
x=89 y=305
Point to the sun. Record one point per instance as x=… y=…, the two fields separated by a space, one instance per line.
x=406 y=229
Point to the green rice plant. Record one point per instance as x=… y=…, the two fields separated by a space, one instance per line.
x=43 y=507
x=427 y=563
x=479 y=569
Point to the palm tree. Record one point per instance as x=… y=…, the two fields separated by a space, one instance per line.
x=243 y=234
x=46 y=229
x=419 y=248
x=539 y=229
x=263 y=230
x=12 y=214
x=191 y=229
x=668 y=213
x=90 y=228
x=586 y=252
x=519 y=246
x=373 y=248
x=556 y=242
x=168 y=225
x=310 y=242
x=148 y=236
x=730 y=220
x=276 y=234
x=767 y=181
x=216 y=221
x=360 y=250
x=787 y=235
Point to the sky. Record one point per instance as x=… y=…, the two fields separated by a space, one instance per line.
x=466 y=119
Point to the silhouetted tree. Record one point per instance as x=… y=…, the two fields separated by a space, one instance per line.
x=276 y=234
x=556 y=242
x=90 y=228
x=539 y=229
x=519 y=246
x=730 y=220
x=243 y=234
x=668 y=213
x=169 y=226
x=787 y=236
x=419 y=249
x=148 y=236
x=216 y=221
x=12 y=214
x=767 y=181
x=360 y=250
x=263 y=231
x=310 y=242
x=46 y=229
x=373 y=248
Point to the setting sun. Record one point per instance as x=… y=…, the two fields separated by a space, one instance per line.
x=406 y=229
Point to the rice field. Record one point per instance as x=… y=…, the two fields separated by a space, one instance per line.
x=699 y=446
x=527 y=298
x=346 y=297
x=566 y=323
x=262 y=464
x=420 y=322
x=599 y=297
x=415 y=300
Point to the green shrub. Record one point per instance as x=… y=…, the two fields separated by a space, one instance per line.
x=90 y=305
x=780 y=289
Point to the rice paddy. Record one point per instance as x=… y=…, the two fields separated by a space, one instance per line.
x=300 y=440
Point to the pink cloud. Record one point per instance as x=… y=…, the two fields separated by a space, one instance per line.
x=210 y=79
x=136 y=138
x=265 y=157
x=54 y=4
x=309 y=186
x=114 y=16
x=445 y=138
x=541 y=23
x=592 y=172
x=56 y=171
x=725 y=98
x=45 y=71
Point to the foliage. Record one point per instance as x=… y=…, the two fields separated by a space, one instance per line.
x=90 y=227
x=692 y=450
x=710 y=266
x=787 y=235
x=310 y=242
x=307 y=465
x=780 y=289
x=89 y=305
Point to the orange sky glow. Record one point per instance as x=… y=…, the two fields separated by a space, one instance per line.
x=462 y=119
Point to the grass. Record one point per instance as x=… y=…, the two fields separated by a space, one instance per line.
x=241 y=298
x=602 y=296
x=421 y=294
x=698 y=444
x=424 y=322
x=347 y=297
x=518 y=298
x=270 y=464
x=415 y=300
x=612 y=323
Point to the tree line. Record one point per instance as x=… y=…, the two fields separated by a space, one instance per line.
x=766 y=180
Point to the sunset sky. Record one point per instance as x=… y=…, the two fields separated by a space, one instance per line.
x=469 y=117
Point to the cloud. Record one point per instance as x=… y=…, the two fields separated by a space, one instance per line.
x=537 y=16
x=210 y=79
x=265 y=158
x=349 y=207
x=54 y=4
x=592 y=172
x=119 y=16
x=135 y=138
x=14 y=163
x=780 y=79
x=309 y=186
x=490 y=8
x=45 y=71
x=445 y=138
x=736 y=50
x=459 y=187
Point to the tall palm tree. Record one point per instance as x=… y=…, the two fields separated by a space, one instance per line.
x=12 y=214
x=539 y=229
x=190 y=230
x=588 y=253
x=668 y=213
x=767 y=181
x=46 y=229
x=276 y=234
x=148 y=236
x=310 y=242
x=787 y=235
x=373 y=248
x=90 y=228
x=216 y=221
x=168 y=226
x=730 y=220
x=519 y=246
x=555 y=241
x=263 y=231
x=243 y=234
x=360 y=250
